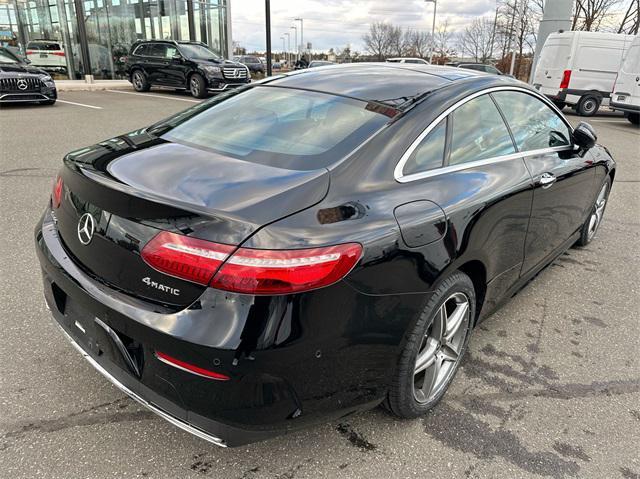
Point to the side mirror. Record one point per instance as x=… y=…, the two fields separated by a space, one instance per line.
x=584 y=136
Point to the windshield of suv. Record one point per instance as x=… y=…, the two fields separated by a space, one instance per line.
x=281 y=127
x=197 y=52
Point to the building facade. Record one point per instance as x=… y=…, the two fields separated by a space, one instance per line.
x=75 y=38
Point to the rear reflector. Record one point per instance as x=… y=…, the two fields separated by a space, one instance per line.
x=250 y=271
x=190 y=368
x=58 y=54
x=566 y=78
x=56 y=194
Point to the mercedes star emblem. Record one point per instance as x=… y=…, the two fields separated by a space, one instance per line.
x=86 y=228
x=22 y=84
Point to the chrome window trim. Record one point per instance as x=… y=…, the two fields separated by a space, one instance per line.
x=401 y=178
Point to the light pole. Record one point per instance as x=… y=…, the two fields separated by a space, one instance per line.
x=283 y=49
x=267 y=8
x=433 y=29
x=297 y=46
x=301 y=32
x=288 y=49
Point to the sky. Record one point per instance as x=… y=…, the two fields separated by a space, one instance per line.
x=336 y=23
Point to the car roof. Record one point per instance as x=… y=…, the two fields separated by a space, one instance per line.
x=394 y=84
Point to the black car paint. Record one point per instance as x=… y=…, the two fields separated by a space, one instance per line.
x=176 y=72
x=302 y=358
x=37 y=91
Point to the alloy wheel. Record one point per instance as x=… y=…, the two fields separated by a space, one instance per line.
x=598 y=211
x=195 y=86
x=441 y=348
x=138 y=81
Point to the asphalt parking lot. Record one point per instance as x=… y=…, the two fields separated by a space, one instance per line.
x=550 y=386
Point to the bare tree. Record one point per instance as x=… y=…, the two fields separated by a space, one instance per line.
x=631 y=21
x=397 y=45
x=477 y=39
x=442 y=42
x=417 y=43
x=589 y=14
x=378 y=40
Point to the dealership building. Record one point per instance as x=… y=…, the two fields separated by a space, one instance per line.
x=77 y=38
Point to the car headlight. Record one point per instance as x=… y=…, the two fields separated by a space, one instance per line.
x=210 y=69
x=46 y=78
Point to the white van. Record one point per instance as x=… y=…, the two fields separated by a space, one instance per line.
x=580 y=68
x=626 y=91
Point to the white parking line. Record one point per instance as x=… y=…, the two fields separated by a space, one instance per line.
x=80 y=104
x=152 y=95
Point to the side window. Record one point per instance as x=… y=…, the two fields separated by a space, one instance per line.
x=142 y=50
x=171 y=52
x=479 y=132
x=430 y=152
x=534 y=125
x=158 y=50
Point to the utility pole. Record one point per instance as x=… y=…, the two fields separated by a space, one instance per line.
x=283 y=50
x=433 y=29
x=556 y=17
x=267 y=7
x=301 y=32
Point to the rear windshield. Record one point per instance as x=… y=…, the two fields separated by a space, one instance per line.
x=281 y=127
x=43 y=46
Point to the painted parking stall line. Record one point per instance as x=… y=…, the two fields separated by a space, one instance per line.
x=151 y=95
x=79 y=104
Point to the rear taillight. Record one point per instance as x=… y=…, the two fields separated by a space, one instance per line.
x=56 y=194
x=258 y=271
x=185 y=257
x=31 y=52
x=566 y=78
x=250 y=271
x=58 y=54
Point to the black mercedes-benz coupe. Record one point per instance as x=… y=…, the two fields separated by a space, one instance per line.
x=314 y=244
x=20 y=82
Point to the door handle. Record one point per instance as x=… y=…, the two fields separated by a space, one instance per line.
x=546 y=180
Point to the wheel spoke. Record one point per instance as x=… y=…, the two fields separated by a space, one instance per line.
x=449 y=352
x=454 y=321
x=439 y=324
x=431 y=377
x=425 y=357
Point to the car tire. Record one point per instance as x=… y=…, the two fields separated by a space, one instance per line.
x=197 y=86
x=594 y=220
x=139 y=81
x=559 y=104
x=588 y=105
x=634 y=118
x=416 y=386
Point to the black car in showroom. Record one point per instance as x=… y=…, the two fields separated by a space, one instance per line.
x=188 y=66
x=315 y=244
x=20 y=82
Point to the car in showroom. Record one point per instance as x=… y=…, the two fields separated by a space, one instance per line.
x=315 y=244
x=23 y=83
x=190 y=66
x=48 y=55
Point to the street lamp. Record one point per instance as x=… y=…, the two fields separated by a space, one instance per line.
x=433 y=29
x=297 y=46
x=301 y=32
x=288 y=49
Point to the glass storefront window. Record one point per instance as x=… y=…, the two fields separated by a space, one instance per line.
x=46 y=31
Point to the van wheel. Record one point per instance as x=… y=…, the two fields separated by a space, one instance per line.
x=139 y=81
x=434 y=348
x=588 y=105
x=634 y=118
x=197 y=86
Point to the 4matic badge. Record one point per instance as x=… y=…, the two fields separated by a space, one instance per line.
x=161 y=287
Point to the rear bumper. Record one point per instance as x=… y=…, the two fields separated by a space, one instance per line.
x=293 y=361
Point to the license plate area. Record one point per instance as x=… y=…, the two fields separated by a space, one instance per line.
x=44 y=55
x=621 y=98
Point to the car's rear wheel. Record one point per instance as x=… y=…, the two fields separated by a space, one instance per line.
x=139 y=81
x=588 y=105
x=634 y=118
x=590 y=227
x=197 y=86
x=434 y=348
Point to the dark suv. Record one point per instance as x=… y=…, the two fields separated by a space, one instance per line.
x=182 y=65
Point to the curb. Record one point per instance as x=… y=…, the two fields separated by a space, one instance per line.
x=80 y=85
